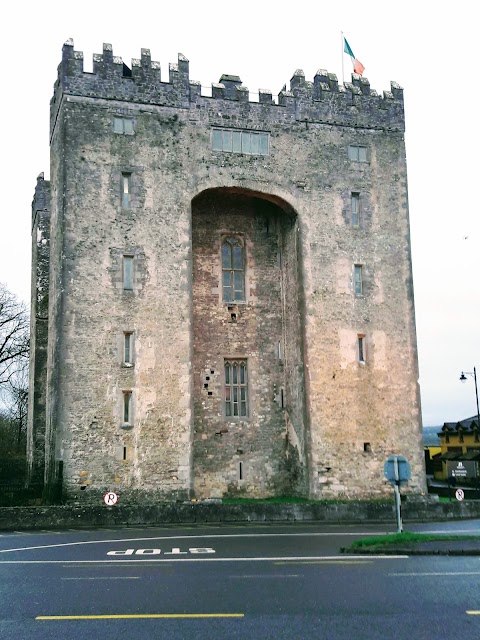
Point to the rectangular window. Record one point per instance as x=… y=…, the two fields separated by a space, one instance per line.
x=255 y=143
x=128 y=347
x=355 y=209
x=357 y=153
x=236 y=397
x=233 y=270
x=123 y=125
x=361 y=348
x=358 y=279
x=217 y=140
x=127 y=407
x=126 y=189
x=128 y=273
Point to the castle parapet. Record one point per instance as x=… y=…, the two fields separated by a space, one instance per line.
x=322 y=100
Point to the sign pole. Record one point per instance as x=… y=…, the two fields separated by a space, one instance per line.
x=397 y=471
x=398 y=510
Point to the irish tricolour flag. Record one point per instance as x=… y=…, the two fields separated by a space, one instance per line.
x=357 y=65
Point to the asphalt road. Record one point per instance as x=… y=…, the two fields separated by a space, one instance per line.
x=231 y=582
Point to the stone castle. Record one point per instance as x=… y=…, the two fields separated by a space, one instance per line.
x=222 y=288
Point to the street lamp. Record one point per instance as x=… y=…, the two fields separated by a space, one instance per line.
x=463 y=378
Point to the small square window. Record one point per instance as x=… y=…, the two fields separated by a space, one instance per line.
x=357 y=153
x=358 y=279
x=123 y=125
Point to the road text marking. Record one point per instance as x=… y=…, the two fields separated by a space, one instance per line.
x=189 y=537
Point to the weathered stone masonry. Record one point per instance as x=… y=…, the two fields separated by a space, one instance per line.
x=141 y=203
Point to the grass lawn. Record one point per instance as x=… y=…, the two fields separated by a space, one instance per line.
x=406 y=538
x=294 y=500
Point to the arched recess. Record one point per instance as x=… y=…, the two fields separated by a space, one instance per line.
x=249 y=428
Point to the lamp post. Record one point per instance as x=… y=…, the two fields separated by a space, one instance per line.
x=463 y=378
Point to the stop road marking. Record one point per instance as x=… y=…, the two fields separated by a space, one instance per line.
x=156 y=552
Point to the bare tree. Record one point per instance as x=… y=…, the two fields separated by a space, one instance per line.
x=16 y=396
x=14 y=335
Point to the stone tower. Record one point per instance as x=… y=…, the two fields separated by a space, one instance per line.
x=230 y=287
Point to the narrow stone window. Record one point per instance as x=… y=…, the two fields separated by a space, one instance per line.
x=233 y=270
x=127 y=407
x=361 y=348
x=367 y=447
x=126 y=189
x=240 y=470
x=128 y=273
x=357 y=153
x=123 y=125
x=279 y=350
x=358 y=279
x=355 y=209
x=236 y=398
x=128 y=348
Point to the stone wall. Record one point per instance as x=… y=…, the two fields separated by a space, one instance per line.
x=341 y=417
x=38 y=331
x=242 y=454
x=29 y=518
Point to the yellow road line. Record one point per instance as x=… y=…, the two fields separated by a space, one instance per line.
x=137 y=616
x=473 y=613
x=327 y=562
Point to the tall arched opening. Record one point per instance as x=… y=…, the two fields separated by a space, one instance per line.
x=248 y=368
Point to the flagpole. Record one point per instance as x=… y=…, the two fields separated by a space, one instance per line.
x=343 y=72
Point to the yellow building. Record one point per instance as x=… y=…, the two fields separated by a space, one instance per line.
x=459 y=441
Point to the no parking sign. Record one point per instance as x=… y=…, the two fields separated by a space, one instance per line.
x=110 y=498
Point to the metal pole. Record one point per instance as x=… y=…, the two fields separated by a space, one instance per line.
x=397 y=508
x=476 y=396
x=478 y=423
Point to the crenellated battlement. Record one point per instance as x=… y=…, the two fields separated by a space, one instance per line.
x=323 y=100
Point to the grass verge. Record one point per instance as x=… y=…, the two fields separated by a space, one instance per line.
x=406 y=538
x=294 y=500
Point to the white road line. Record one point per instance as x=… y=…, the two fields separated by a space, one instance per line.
x=189 y=537
x=453 y=532
x=436 y=573
x=106 y=578
x=256 y=577
x=171 y=560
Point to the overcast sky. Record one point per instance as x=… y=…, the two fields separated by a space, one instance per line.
x=429 y=48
